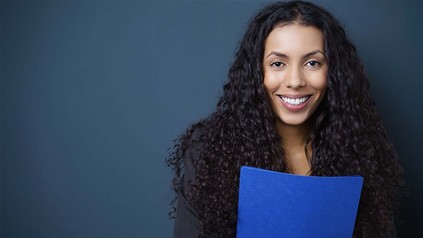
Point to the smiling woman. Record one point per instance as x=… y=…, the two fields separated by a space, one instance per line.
x=296 y=101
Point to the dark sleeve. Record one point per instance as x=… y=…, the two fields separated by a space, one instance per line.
x=187 y=224
x=394 y=229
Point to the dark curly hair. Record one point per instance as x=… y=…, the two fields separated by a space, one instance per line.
x=347 y=135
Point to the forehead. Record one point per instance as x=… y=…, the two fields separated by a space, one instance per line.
x=294 y=39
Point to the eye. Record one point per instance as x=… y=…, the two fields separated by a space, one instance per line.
x=313 y=64
x=277 y=64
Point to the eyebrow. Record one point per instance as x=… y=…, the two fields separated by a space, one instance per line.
x=282 y=55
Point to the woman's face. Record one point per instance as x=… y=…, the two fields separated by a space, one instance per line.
x=295 y=69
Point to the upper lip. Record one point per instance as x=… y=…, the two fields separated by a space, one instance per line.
x=293 y=96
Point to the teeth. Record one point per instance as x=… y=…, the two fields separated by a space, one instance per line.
x=295 y=101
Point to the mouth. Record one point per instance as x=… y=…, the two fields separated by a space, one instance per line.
x=295 y=102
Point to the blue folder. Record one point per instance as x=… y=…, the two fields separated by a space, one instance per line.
x=275 y=204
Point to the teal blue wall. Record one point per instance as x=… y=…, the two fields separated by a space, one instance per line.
x=94 y=92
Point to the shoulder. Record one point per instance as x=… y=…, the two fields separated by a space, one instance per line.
x=196 y=135
x=192 y=154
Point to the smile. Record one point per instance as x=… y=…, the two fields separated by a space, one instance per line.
x=295 y=101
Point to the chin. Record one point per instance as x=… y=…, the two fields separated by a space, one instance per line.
x=294 y=121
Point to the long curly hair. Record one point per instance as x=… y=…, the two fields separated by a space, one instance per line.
x=347 y=135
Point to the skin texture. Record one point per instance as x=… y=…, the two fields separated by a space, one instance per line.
x=295 y=66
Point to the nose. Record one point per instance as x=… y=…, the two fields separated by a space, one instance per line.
x=294 y=78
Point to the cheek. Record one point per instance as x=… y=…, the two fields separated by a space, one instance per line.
x=319 y=82
x=270 y=83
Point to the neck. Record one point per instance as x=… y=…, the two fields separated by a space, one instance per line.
x=293 y=136
x=294 y=139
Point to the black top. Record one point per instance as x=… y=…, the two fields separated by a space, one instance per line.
x=187 y=224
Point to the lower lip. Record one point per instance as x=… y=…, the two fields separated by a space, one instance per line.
x=294 y=108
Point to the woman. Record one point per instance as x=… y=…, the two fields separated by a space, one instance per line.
x=297 y=101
